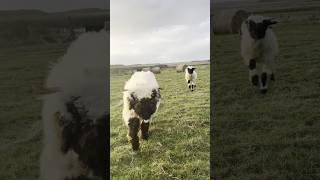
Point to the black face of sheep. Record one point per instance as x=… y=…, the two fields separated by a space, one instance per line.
x=258 y=30
x=145 y=107
x=190 y=70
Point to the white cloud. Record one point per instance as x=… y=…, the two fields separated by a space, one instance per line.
x=152 y=31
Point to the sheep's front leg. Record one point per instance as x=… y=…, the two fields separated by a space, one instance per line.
x=267 y=74
x=145 y=129
x=134 y=125
x=254 y=78
x=189 y=84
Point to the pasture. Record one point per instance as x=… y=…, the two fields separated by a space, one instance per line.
x=23 y=71
x=272 y=136
x=178 y=147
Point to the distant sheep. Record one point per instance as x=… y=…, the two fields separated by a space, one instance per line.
x=191 y=77
x=146 y=69
x=156 y=70
x=74 y=116
x=258 y=42
x=181 y=67
x=141 y=99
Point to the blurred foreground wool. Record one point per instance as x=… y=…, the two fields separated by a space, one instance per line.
x=75 y=115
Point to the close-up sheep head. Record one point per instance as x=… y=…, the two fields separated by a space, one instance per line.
x=146 y=106
x=190 y=69
x=258 y=28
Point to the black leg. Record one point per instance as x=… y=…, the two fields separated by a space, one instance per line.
x=145 y=130
x=255 y=80
x=134 y=125
x=272 y=77
x=252 y=64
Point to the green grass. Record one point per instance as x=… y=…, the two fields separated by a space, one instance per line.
x=178 y=147
x=22 y=74
x=272 y=136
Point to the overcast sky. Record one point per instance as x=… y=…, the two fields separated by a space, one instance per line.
x=52 y=5
x=153 y=31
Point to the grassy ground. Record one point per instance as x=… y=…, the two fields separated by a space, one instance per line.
x=272 y=136
x=178 y=147
x=22 y=72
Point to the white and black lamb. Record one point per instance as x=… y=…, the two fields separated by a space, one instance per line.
x=259 y=44
x=75 y=115
x=141 y=99
x=191 y=77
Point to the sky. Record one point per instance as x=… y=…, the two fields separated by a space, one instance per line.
x=153 y=31
x=52 y=5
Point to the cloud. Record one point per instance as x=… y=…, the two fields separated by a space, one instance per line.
x=150 y=31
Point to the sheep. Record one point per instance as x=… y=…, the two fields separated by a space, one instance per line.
x=258 y=42
x=141 y=99
x=191 y=76
x=74 y=114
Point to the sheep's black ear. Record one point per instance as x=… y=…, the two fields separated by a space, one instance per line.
x=269 y=22
x=133 y=101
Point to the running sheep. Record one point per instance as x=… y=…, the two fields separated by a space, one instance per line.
x=74 y=115
x=141 y=99
x=191 y=76
x=259 y=44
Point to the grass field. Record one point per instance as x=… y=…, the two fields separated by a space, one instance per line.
x=272 y=136
x=178 y=147
x=22 y=73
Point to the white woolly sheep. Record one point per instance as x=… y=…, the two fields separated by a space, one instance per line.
x=191 y=76
x=258 y=42
x=74 y=117
x=141 y=99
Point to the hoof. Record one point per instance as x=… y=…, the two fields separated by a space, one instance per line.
x=255 y=80
x=263 y=91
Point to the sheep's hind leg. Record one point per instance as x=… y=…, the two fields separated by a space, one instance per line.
x=134 y=125
x=254 y=78
x=145 y=129
x=272 y=77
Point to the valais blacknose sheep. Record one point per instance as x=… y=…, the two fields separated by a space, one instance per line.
x=191 y=76
x=259 y=44
x=141 y=99
x=75 y=115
